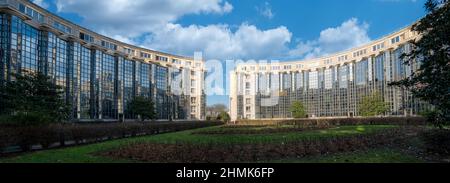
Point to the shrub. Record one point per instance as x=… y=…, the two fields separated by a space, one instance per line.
x=305 y=123
x=142 y=106
x=26 y=119
x=437 y=141
x=3 y=140
x=436 y=117
x=298 y=110
x=47 y=135
x=27 y=137
x=224 y=117
x=373 y=105
x=33 y=99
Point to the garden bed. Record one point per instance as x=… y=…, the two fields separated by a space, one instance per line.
x=256 y=152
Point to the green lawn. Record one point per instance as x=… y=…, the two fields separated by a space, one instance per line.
x=382 y=155
x=84 y=154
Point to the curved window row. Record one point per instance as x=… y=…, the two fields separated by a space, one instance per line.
x=97 y=85
x=330 y=91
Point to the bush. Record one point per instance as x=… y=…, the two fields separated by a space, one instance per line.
x=3 y=140
x=437 y=141
x=26 y=119
x=47 y=135
x=224 y=117
x=308 y=123
x=27 y=137
x=436 y=117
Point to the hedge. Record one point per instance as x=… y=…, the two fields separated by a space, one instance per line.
x=328 y=122
x=59 y=134
x=437 y=141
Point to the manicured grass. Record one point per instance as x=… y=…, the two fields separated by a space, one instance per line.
x=84 y=154
x=382 y=155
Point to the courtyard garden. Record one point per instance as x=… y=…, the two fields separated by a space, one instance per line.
x=307 y=141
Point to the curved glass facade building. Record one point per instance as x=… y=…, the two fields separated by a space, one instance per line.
x=99 y=75
x=331 y=86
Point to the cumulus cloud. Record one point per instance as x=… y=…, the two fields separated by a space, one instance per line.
x=133 y=18
x=349 y=34
x=220 y=42
x=153 y=24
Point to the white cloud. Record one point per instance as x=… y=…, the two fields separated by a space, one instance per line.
x=349 y=34
x=266 y=10
x=132 y=18
x=220 y=42
x=153 y=24
x=41 y=3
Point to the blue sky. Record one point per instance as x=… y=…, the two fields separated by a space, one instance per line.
x=242 y=29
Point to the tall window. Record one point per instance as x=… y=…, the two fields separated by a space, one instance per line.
x=128 y=85
x=313 y=80
x=328 y=79
x=4 y=37
x=287 y=81
x=362 y=72
x=145 y=80
x=379 y=68
x=298 y=80
x=274 y=82
x=263 y=83
x=343 y=76
x=57 y=65
x=108 y=78
x=85 y=83
x=24 y=46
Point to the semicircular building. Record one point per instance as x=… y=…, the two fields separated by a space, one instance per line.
x=99 y=75
x=331 y=86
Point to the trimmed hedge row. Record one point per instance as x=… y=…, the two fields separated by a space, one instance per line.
x=60 y=134
x=250 y=130
x=325 y=122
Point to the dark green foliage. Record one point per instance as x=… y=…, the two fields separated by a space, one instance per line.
x=373 y=105
x=224 y=117
x=32 y=99
x=432 y=81
x=3 y=139
x=144 y=107
x=215 y=112
x=298 y=110
x=437 y=141
x=436 y=117
x=27 y=136
x=339 y=121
